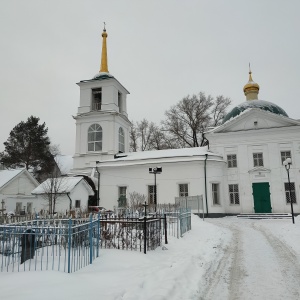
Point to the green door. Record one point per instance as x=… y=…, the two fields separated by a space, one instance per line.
x=261 y=195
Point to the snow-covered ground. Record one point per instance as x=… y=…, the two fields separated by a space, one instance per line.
x=226 y=258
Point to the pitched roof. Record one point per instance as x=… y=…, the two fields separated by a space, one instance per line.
x=63 y=185
x=183 y=152
x=7 y=175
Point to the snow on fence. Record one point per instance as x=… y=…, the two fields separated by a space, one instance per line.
x=132 y=233
x=53 y=244
x=178 y=220
x=70 y=244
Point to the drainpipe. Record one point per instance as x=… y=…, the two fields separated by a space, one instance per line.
x=68 y=194
x=98 y=191
x=205 y=184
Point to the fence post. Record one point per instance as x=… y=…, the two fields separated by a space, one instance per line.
x=145 y=228
x=69 y=245
x=178 y=221
x=165 y=227
x=98 y=234
x=91 y=239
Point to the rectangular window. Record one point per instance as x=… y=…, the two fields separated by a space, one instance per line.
x=258 y=160
x=234 y=196
x=122 y=201
x=215 y=193
x=231 y=161
x=151 y=194
x=18 y=207
x=77 y=203
x=29 y=207
x=285 y=155
x=97 y=99
x=183 y=190
x=119 y=101
x=290 y=195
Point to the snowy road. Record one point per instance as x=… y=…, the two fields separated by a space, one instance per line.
x=255 y=264
x=225 y=258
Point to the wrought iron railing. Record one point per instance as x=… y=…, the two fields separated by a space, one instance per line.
x=96 y=106
x=62 y=245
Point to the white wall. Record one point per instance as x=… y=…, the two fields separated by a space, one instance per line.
x=137 y=178
x=270 y=142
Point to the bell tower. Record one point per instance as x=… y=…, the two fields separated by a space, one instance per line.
x=102 y=125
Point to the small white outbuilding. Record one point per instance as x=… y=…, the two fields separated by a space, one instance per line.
x=67 y=193
x=15 y=191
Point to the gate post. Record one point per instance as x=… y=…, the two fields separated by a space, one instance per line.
x=165 y=227
x=69 y=245
x=91 y=239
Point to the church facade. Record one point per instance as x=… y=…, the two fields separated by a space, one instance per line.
x=241 y=172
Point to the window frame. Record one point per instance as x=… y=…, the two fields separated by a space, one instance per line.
x=288 y=196
x=76 y=203
x=151 y=195
x=234 y=194
x=185 y=192
x=215 y=193
x=284 y=157
x=121 y=140
x=96 y=100
x=93 y=130
x=231 y=161
x=257 y=159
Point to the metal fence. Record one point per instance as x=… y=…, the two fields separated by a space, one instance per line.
x=70 y=244
x=195 y=203
x=62 y=245
x=140 y=234
x=178 y=220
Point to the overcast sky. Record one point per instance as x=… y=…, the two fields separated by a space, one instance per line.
x=160 y=50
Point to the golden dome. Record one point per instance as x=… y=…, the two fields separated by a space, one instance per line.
x=251 y=86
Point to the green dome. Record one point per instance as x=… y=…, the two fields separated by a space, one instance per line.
x=261 y=104
x=102 y=75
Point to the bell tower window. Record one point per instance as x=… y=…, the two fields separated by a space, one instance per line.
x=96 y=99
x=121 y=140
x=120 y=102
x=95 y=138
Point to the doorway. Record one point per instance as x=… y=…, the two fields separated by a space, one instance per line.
x=261 y=196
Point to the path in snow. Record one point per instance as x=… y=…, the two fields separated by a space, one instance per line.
x=255 y=265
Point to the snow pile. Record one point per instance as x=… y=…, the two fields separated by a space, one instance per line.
x=175 y=273
x=226 y=258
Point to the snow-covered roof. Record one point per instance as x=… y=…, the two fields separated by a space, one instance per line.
x=7 y=175
x=264 y=113
x=103 y=75
x=161 y=156
x=168 y=153
x=261 y=104
x=64 y=163
x=63 y=185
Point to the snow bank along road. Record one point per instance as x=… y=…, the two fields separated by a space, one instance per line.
x=224 y=259
x=261 y=261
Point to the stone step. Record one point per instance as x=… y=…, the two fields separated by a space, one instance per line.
x=265 y=216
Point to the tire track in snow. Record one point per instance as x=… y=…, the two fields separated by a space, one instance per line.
x=287 y=260
x=224 y=276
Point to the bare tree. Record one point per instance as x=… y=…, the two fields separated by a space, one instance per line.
x=134 y=138
x=54 y=188
x=136 y=200
x=219 y=110
x=186 y=120
x=141 y=135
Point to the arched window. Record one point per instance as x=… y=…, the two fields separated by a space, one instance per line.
x=95 y=138
x=121 y=140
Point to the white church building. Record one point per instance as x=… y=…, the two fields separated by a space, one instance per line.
x=240 y=172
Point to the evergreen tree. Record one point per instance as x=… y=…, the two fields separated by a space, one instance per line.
x=28 y=146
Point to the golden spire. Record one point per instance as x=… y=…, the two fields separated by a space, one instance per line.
x=251 y=89
x=104 y=67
